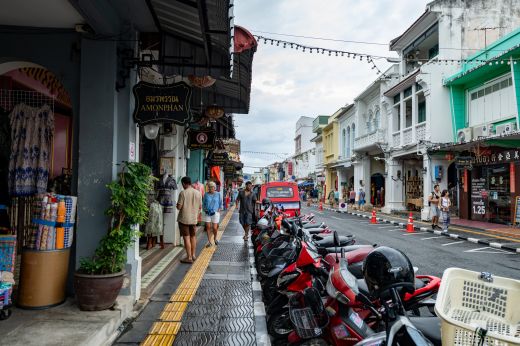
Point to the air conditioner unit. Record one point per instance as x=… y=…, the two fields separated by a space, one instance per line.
x=482 y=131
x=505 y=129
x=464 y=135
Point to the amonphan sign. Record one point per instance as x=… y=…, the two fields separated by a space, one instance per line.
x=162 y=103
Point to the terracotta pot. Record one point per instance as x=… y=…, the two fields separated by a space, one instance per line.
x=97 y=292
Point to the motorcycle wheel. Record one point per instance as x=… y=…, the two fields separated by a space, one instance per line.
x=262 y=266
x=279 y=325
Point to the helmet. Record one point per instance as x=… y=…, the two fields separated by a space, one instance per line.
x=262 y=224
x=266 y=202
x=385 y=267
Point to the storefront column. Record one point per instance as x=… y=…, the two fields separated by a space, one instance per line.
x=428 y=183
x=394 y=189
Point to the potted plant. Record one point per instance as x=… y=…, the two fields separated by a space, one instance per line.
x=99 y=279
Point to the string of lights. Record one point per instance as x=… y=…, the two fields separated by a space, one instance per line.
x=369 y=58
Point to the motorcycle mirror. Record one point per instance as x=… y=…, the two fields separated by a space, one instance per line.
x=415 y=269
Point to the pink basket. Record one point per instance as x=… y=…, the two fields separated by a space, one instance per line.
x=7 y=253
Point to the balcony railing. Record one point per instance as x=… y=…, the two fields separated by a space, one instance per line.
x=420 y=131
x=396 y=139
x=407 y=136
x=370 y=139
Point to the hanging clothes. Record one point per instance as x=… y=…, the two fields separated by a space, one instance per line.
x=199 y=187
x=32 y=130
x=165 y=187
x=5 y=153
x=154 y=224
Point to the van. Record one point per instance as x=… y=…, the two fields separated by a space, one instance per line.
x=282 y=194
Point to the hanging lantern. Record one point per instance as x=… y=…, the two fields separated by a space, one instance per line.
x=214 y=112
x=201 y=82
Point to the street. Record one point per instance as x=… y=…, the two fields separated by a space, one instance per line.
x=431 y=253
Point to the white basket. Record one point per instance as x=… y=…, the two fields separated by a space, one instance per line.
x=468 y=306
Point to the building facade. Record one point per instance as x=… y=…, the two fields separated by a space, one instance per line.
x=304 y=159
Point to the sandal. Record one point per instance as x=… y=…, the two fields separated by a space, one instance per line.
x=209 y=245
x=186 y=260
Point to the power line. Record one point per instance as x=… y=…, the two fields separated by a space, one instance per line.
x=320 y=38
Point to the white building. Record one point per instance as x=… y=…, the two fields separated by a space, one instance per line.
x=347 y=130
x=304 y=159
x=417 y=105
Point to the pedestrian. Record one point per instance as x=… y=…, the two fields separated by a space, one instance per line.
x=212 y=205
x=189 y=205
x=433 y=201
x=352 y=197
x=445 y=204
x=361 y=199
x=331 y=198
x=247 y=200
x=336 y=196
x=235 y=194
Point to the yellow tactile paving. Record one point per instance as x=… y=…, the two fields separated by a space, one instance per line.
x=167 y=328
x=164 y=331
x=158 y=340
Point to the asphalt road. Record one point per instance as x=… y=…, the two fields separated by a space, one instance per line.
x=431 y=253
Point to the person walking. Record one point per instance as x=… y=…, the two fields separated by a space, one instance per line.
x=361 y=199
x=352 y=197
x=212 y=205
x=336 y=197
x=445 y=204
x=433 y=201
x=247 y=200
x=189 y=206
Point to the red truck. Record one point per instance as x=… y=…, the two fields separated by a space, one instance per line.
x=282 y=193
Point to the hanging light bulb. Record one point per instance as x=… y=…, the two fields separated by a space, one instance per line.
x=151 y=130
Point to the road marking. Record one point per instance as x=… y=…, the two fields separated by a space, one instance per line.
x=432 y=238
x=455 y=242
x=337 y=218
x=397 y=229
x=387 y=226
x=488 y=248
x=415 y=233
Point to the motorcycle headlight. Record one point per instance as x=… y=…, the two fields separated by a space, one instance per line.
x=283 y=279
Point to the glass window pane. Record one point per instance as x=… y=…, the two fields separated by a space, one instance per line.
x=473 y=96
x=397 y=98
x=481 y=93
x=504 y=84
x=408 y=92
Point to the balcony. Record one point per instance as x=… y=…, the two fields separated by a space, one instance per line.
x=407 y=136
x=396 y=139
x=370 y=140
x=420 y=131
x=319 y=123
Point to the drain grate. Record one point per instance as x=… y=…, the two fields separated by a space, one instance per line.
x=236 y=339
x=195 y=338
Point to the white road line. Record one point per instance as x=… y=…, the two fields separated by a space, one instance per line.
x=337 y=218
x=432 y=238
x=396 y=229
x=415 y=233
x=490 y=250
x=455 y=242
x=387 y=226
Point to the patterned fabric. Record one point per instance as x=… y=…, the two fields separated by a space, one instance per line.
x=165 y=187
x=5 y=151
x=154 y=224
x=31 y=133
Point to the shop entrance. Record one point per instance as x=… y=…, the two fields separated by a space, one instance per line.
x=377 y=190
x=453 y=182
x=37 y=207
x=490 y=195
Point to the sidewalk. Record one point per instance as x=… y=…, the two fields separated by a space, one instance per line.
x=208 y=303
x=507 y=238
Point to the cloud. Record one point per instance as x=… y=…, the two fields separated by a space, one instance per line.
x=288 y=84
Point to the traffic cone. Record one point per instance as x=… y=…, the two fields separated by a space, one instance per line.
x=373 y=219
x=409 y=227
x=321 y=206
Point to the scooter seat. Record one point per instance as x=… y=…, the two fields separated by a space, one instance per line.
x=314 y=230
x=430 y=327
x=328 y=241
x=364 y=288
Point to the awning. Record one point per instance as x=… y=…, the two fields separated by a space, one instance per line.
x=405 y=83
x=507 y=141
x=197 y=36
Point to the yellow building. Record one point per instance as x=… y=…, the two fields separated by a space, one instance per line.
x=331 y=151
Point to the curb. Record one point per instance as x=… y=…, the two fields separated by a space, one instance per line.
x=262 y=337
x=446 y=234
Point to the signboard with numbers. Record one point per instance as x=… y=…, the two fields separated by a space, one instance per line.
x=478 y=198
x=516 y=215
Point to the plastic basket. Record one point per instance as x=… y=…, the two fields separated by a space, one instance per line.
x=7 y=253
x=308 y=314
x=478 y=309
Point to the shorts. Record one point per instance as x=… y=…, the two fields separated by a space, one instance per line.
x=215 y=218
x=245 y=218
x=361 y=202
x=434 y=209
x=352 y=201
x=187 y=230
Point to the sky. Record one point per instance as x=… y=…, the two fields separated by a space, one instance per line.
x=288 y=84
